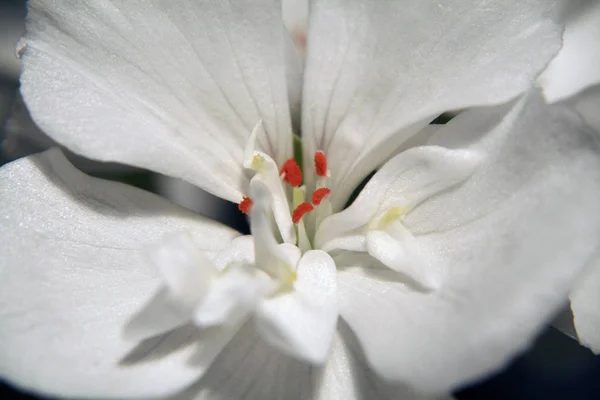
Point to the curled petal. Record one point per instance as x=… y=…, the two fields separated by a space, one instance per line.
x=510 y=242
x=302 y=322
x=72 y=273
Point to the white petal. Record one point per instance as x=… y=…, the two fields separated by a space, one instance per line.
x=240 y=251
x=405 y=181
x=302 y=322
x=269 y=178
x=185 y=270
x=250 y=369
x=402 y=184
x=510 y=242
x=236 y=289
x=376 y=72
x=585 y=304
x=346 y=376
x=187 y=284
x=186 y=276
x=159 y=315
x=295 y=18
x=232 y=296
x=100 y=79
x=270 y=257
x=73 y=273
x=350 y=242
x=403 y=255
x=577 y=66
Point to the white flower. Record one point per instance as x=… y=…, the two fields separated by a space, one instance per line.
x=452 y=257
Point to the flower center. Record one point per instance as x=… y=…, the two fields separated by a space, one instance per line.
x=291 y=209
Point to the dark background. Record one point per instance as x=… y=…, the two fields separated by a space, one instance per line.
x=556 y=367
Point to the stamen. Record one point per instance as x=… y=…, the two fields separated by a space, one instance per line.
x=258 y=162
x=246 y=205
x=392 y=214
x=319 y=194
x=291 y=173
x=320 y=163
x=301 y=210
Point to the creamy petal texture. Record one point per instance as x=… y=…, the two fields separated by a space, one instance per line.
x=377 y=71
x=577 y=66
x=489 y=238
x=374 y=221
x=101 y=79
x=250 y=369
x=186 y=274
x=585 y=305
x=404 y=182
x=73 y=272
x=347 y=376
x=301 y=321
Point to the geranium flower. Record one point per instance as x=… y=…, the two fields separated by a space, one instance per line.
x=451 y=258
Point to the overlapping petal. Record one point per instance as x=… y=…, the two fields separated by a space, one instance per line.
x=172 y=87
x=347 y=375
x=376 y=72
x=489 y=237
x=73 y=273
x=373 y=223
x=301 y=322
x=577 y=66
x=404 y=182
x=251 y=369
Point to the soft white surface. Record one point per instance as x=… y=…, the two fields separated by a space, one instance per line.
x=401 y=184
x=405 y=181
x=301 y=321
x=509 y=242
x=250 y=369
x=73 y=273
x=101 y=79
x=577 y=66
x=185 y=274
x=377 y=71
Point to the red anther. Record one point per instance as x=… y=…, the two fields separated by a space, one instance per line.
x=320 y=163
x=301 y=210
x=246 y=205
x=319 y=194
x=291 y=173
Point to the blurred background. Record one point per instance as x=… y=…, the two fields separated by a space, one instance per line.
x=556 y=367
